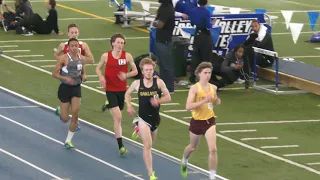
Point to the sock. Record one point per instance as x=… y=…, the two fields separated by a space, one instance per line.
x=69 y=136
x=184 y=161
x=212 y=174
x=120 y=142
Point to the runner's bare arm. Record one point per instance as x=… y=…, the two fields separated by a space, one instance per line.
x=134 y=70
x=103 y=60
x=133 y=87
x=59 y=51
x=166 y=95
x=57 y=68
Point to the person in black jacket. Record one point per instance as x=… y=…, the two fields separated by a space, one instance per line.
x=18 y=18
x=50 y=24
x=234 y=68
x=260 y=38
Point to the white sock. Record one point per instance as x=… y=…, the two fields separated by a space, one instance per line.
x=69 y=137
x=212 y=174
x=184 y=161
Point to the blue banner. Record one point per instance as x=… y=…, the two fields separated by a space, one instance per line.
x=313 y=17
x=260 y=11
x=235 y=29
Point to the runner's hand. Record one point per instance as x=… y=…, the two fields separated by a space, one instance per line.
x=102 y=81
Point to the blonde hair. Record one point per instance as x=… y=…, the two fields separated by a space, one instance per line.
x=146 y=61
x=201 y=67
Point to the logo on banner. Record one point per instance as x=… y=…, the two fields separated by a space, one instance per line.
x=230 y=27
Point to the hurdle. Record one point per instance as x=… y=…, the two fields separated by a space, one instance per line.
x=270 y=88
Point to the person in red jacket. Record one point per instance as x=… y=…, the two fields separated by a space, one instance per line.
x=114 y=81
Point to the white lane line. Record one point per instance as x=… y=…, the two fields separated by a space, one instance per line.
x=173 y=111
x=47 y=66
x=239 y=131
x=15 y=107
x=61 y=143
x=315 y=163
x=302 y=154
x=9 y=51
x=170 y=104
x=30 y=164
x=284 y=33
x=28 y=56
x=42 y=61
x=92 y=75
x=87 y=82
x=84 y=18
x=63 y=40
x=268 y=122
x=275 y=147
x=259 y=138
x=6 y=46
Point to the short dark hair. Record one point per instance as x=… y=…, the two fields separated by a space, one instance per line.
x=72 y=25
x=52 y=3
x=256 y=21
x=202 y=2
x=115 y=36
x=72 y=39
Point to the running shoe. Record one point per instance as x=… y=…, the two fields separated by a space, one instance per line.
x=104 y=107
x=69 y=145
x=183 y=169
x=153 y=176
x=123 y=151
x=135 y=134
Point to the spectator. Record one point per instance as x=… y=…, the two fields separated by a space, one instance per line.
x=18 y=19
x=202 y=45
x=164 y=24
x=234 y=68
x=51 y=23
x=260 y=38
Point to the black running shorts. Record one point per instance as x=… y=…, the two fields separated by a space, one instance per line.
x=115 y=99
x=67 y=92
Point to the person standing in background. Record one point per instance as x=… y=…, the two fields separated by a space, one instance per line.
x=164 y=24
x=202 y=45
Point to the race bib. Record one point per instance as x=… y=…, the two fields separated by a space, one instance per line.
x=210 y=106
x=79 y=67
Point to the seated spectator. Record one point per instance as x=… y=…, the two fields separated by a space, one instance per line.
x=234 y=68
x=262 y=39
x=40 y=26
x=18 y=19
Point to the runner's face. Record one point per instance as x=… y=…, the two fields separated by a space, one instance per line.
x=147 y=71
x=118 y=44
x=73 y=47
x=205 y=74
x=73 y=32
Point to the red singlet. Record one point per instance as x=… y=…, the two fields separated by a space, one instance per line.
x=113 y=67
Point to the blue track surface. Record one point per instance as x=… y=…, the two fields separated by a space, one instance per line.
x=36 y=135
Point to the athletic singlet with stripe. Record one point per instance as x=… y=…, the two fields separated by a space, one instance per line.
x=113 y=68
x=80 y=48
x=205 y=111
x=146 y=110
x=73 y=69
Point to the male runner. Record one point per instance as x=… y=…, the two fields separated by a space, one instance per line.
x=149 y=90
x=114 y=81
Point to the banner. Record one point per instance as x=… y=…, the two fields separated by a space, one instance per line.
x=235 y=28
